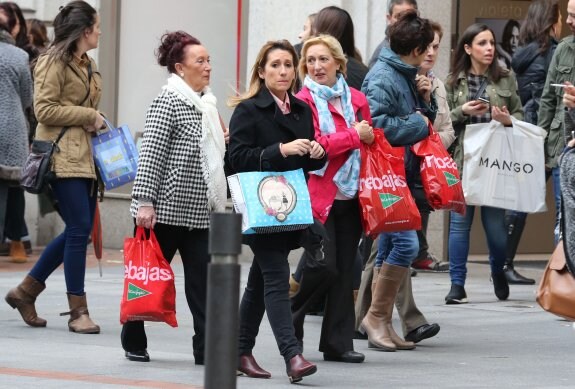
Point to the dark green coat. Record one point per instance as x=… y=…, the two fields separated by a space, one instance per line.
x=551 y=104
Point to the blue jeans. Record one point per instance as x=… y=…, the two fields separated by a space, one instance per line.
x=397 y=248
x=77 y=201
x=493 y=220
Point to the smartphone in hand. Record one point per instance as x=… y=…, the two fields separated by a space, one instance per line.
x=483 y=100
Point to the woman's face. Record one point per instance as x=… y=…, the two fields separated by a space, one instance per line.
x=93 y=36
x=195 y=68
x=431 y=55
x=278 y=73
x=306 y=32
x=320 y=65
x=482 y=49
x=514 y=40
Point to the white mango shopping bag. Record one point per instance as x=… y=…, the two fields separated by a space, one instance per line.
x=504 y=167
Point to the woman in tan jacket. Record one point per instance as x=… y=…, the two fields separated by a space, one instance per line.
x=67 y=93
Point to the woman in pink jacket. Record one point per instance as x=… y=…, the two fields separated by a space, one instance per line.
x=342 y=122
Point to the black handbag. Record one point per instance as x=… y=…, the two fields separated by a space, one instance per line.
x=37 y=171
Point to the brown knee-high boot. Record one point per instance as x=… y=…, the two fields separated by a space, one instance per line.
x=80 y=321
x=377 y=321
x=374 y=280
x=23 y=297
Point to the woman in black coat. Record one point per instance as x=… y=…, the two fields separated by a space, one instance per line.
x=271 y=130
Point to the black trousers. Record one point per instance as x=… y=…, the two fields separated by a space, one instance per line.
x=12 y=203
x=336 y=281
x=193 y=248
x=267 y=290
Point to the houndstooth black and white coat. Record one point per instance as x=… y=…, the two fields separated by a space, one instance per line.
x=170 y=164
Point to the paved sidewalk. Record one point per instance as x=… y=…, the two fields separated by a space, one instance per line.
x=486 y=343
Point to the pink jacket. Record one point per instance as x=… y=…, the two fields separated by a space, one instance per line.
x=322 y=190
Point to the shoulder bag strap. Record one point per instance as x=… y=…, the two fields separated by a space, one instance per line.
x=89 y=84
x=481 y=89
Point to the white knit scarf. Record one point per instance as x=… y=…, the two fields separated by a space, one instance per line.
x=213 y=146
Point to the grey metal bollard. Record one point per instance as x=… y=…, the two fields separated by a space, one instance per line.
x=222 y=316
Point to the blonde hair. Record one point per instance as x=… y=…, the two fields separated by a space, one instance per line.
x=256 y=83
x=334 y=48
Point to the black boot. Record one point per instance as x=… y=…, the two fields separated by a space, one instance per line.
x=515 y=224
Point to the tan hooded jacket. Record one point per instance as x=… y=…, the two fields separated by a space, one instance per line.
x=59 y=92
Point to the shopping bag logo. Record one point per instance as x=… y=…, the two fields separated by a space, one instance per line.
x=390 y=180
x=438 y=163
x=277 y=196
x=388 y=199
x=450 y=178
x=146 y=273
x=135 y=292
x=505 y=165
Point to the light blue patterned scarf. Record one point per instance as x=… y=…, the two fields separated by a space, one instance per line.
x=347 y=177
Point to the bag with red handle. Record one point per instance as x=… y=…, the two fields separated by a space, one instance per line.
x=149 y=289
x=439 y=174
x=386 y=201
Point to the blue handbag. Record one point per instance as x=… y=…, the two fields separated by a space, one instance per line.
x=271 y=201
x=116 y=156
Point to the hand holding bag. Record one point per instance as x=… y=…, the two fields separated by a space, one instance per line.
x=37 y=170
x=149 y=289
x=385 y=199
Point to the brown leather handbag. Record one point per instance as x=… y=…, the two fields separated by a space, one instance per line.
x=556 y=291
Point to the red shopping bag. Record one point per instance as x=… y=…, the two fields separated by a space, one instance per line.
x=385 y=199
x=149 y=289
x=439 y=174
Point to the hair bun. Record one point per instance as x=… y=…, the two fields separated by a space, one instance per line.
x=65 y=10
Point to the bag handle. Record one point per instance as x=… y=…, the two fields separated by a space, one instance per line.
x=109 y=127
x=140 y=233
x=141 y=236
